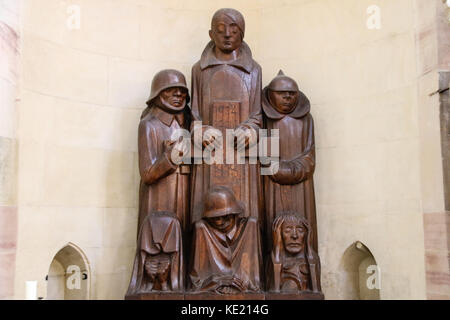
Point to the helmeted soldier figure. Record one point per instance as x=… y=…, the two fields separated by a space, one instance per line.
x=163 y=194
x=164 y=187
x=226 y=254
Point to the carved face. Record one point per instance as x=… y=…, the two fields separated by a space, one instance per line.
x=224 y=223
x=293 y=234
x=173 y=99
x=283 y=101
x=226 y=34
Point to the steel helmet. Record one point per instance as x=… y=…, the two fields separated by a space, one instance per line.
x=283 y=83
x=166 y=79
x=220 y=201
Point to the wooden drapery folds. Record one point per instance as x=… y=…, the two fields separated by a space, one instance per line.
x=158 y=264
x=226 y=94
x=226 y=251
x=222 y=230
x=293 y=266
x=164 y=184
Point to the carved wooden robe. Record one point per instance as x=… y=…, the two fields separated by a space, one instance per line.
x=160 y=233
x=217 y=257
x=225 y=95
x=163 y=186
x=292 y=187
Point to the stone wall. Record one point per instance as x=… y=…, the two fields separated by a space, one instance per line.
x=9 y=82
x=433 y=31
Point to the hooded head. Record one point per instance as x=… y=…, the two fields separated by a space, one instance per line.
x=283 y=83
x=283 y=93
x=282 y=96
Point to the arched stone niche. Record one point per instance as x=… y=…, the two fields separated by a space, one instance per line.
x=360 y=274
x=69 y=275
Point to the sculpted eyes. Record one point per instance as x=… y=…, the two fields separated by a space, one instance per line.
x=221 y=28
x=300 y=230
x=173 y=91
x=233 y=28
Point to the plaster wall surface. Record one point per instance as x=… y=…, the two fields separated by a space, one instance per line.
x=9 y=83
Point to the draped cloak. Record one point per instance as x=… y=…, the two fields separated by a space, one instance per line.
x=226 y=94
x=163 y=187
x=216 y=256
x=160 y=232
x=292 y=187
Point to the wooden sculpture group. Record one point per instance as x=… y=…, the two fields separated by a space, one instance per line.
x=212 y=229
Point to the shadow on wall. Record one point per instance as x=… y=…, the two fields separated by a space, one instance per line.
x=360 y=274
x=69 y=275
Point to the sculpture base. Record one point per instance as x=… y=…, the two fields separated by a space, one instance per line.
x=215 y=296
x=295 y=296
x=156 y=296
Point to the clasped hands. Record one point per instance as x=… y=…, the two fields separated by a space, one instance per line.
x=176 y=150
x=230 y=285
x=213 y=138
x=157 y=268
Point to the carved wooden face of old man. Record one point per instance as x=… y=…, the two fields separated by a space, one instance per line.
x=227 y=30
x=293 y=234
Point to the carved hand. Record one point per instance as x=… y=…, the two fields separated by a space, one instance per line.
x=210 y=137
x=243 y=136
x=171 y=149
x=168 y=145
x=178 y=151
x=163 y=273
x=152 y=269
x=284 y=170
x=230 y=285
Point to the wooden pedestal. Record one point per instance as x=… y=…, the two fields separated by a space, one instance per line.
x=213 y=296
x=305 y=295
x=243 y=296
x=156 y=296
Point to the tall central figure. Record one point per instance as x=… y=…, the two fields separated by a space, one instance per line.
x=226 y=94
